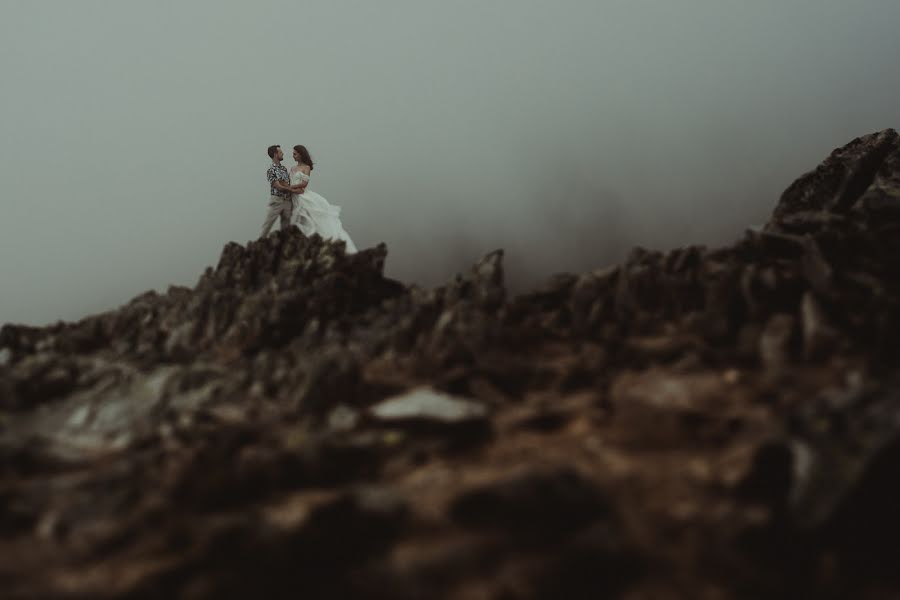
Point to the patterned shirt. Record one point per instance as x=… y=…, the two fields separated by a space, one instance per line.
x=280 y=173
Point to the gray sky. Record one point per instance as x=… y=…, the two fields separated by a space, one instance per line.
x=133 y=134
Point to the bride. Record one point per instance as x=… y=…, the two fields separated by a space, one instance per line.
x=312 y=212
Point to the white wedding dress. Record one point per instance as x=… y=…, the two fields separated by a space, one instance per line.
x=313 y=214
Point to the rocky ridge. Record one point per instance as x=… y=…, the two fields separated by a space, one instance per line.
x=699 y=423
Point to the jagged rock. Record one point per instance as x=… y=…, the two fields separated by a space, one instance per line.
x=539 y=504
x=590 y=298
x=770 y=478
x=696 y=406
x=831 y=482
x=298 y=423
x=776 y=341
x=463 y=422
x=343 y=418
x=816 y=270
x=428 y=405
x=841 y=180
x=487 y=279
x=819 y=337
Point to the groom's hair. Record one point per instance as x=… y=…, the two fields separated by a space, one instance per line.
x=272 y=150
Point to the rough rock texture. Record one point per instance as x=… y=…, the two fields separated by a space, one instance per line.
x=702 y=423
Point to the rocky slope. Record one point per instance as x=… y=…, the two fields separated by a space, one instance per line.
x=701 y=423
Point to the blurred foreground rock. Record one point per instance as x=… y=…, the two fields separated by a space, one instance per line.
x=701 y=423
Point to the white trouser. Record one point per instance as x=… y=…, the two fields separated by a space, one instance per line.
x=278 y=207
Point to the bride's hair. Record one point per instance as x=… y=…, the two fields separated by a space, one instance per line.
x=305 y=158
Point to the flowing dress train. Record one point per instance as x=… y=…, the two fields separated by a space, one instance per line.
x=313 y=214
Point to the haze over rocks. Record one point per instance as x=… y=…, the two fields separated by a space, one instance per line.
x=700 y=423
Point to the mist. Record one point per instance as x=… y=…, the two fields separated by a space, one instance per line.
x=133 y=134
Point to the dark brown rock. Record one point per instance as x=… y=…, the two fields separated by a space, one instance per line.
x=700 y=422
x=540 y=504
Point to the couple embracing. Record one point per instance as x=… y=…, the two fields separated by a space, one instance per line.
x=291 y=202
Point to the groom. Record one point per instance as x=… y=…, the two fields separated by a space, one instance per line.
x=280 y=204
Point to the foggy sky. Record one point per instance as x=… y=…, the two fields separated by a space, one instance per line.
x=133 y=134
